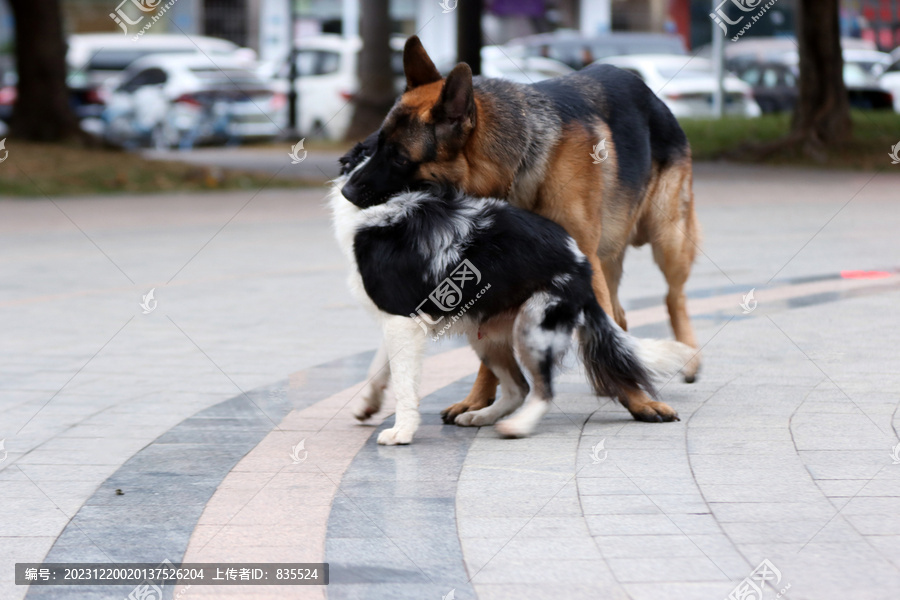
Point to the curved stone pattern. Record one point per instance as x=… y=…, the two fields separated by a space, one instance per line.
x=166 y=486
x=274 y=508
x=782 y=458
x=392 y=531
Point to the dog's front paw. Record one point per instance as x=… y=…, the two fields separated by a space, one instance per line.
x=369 y=403
x=363 y=410
x=513 y=428
x=477 y=418
x=395 y=436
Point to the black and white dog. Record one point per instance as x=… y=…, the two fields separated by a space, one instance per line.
x=435 y=261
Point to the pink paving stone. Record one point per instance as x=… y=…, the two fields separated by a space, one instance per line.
x=269 y=509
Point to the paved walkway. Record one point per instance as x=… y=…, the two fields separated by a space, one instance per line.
x=214 y=427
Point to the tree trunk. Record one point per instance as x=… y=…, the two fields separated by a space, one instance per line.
x=822 y=116
x=469 y=38
x=376 y=78
x=42 y=111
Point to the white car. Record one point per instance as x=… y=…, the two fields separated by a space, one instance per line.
x=183 y=99
x=890 y=81
x=687 y=84
x=872 y=61
x=327 y=81
x=104 y=55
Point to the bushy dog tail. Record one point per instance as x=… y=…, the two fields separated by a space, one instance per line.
x=615 y=361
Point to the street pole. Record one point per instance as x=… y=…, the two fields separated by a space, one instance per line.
x=293 y=116
x=718 y=60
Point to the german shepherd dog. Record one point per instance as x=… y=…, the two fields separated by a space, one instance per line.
x=517 y=283
x=531 y=146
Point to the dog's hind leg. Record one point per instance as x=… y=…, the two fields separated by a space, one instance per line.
x=636 y=400
x=498 y=356
x=542 y=335
x=405 y=345
x=612 y=271
x=675 y=236
x=482 y=395
x=372 y=394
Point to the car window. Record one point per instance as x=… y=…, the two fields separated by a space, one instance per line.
x=306 y=62
x=118 y=59
x=790 y=79
x=751 y=76
x=317 y=62
x=152 y=76
x=894 y=68
x=770 y=78
x=329 y=62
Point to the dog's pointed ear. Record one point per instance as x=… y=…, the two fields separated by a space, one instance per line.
x=457 y=103
x=417 y=65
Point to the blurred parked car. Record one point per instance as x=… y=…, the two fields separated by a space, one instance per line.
x=104 y=55
x=576 y=50
x=863 y=88
x=774 y=85
x=772 y=49
x=327 y=81
x=890 y=81
x=865 y=91
x=872 y=62
x=184 y=99
x=687 y=84
x=84 y=98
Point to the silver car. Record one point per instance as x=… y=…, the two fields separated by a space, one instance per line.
x=167 y=101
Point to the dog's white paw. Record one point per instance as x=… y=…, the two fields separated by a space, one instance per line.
x=514 y=428
x=395 y=436
x=369 y=403
x=476 y=418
